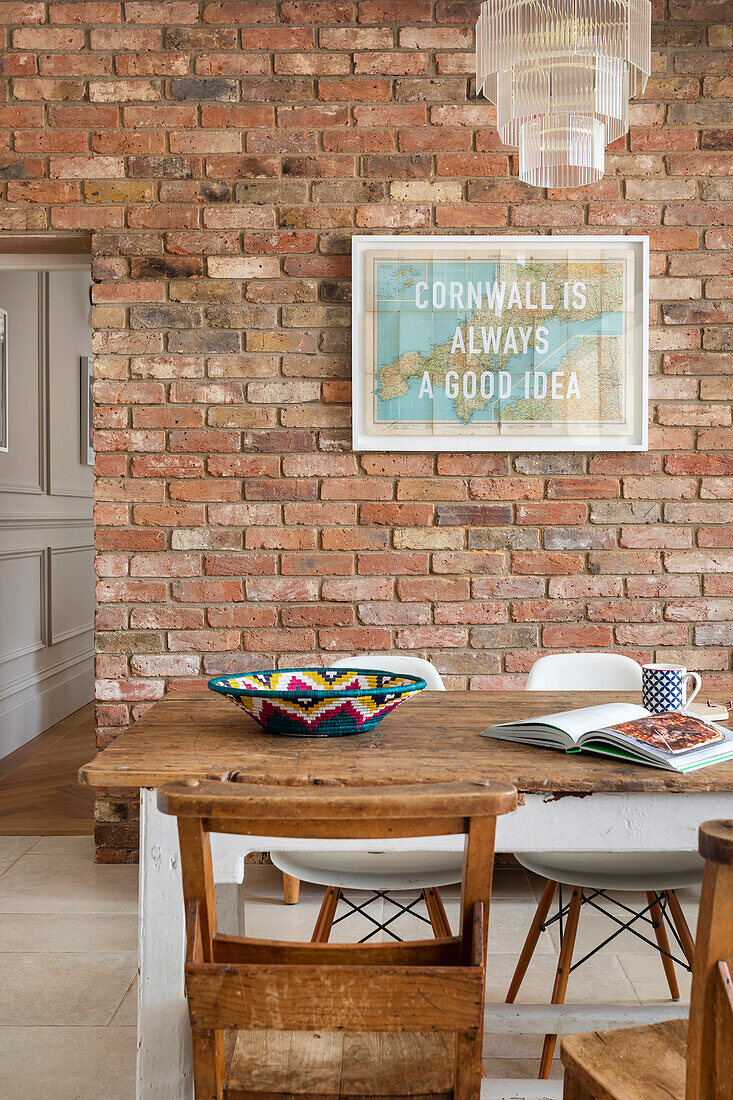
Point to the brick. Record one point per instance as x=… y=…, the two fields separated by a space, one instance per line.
x=472 y=164
x=484 y=515
x=355 y=639
x=207 y=641
x=389 y=63
x=163 y=11
x=651 y=634
x=469 y=613
x=480 y=216
x=578 y=538
x=281 y=588
x=542 y=513
x=624 y=561
x=240 y=11
x=317 y=616
x=392 y=217
x=715 y=537
x=420 y=637
x=394 y=11
x=393 y=614
x=548 y=563
x=83 y=12
x=414 y=589
x=350 y=589
x=356 y=89
x=576 y=636
x=321 y=565
x=588 y=488
x=24 y=13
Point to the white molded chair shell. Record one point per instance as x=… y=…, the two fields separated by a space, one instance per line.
x=604 y=870
x=375 y=871
x=395 y=662
x=619 y=871
x=584 y=672
x=414 y=869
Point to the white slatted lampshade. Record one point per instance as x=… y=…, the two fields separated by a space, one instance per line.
x=561 y=73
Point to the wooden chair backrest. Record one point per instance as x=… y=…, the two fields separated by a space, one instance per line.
x=710 y=1036
x=224 y=805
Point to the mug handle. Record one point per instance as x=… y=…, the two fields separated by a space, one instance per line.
x=698 y=684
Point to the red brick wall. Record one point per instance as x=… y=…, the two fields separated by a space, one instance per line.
x=222 y=153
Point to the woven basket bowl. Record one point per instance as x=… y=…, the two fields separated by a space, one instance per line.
x=318 y=702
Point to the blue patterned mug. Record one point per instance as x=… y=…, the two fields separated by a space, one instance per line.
x=664 y=687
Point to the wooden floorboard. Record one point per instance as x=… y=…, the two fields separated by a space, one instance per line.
x=39 y=791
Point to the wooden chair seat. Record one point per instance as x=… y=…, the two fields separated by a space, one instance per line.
x=333 y=1064
x=639 y=1063
x=674 y=1060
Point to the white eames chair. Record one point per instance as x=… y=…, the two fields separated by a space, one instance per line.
x=594 y=876
x=378 y=872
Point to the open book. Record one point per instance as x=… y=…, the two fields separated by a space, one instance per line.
x=676 y=741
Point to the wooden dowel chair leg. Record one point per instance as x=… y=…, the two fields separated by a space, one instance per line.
x=327 y=912
x=683 y=928
x=208 y=1063
x=436 y=912
x=660 y=931
x=573 y=1089
x=531 y=941
x=562 y=975
x=291 y=889
x=468 y=1068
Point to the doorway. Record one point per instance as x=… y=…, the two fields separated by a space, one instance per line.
x=46 y=532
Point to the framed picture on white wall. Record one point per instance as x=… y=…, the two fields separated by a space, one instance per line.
x=500 y=343
x=86 y=410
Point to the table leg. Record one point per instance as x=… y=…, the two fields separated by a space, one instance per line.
x=164 y=1066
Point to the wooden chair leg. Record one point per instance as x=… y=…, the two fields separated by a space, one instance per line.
x=291 y=889
x=531 y=941
x=660 y=931
x=436 y=912
x=683 y=928
x=468 y=1070
x=208 y=1064
x=327 y=912
x=562 y=975
x=572 y=1089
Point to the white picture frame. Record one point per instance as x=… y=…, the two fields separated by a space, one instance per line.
x=86 y=410
x=612 y=375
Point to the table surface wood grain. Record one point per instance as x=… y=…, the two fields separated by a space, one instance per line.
x=432 y=738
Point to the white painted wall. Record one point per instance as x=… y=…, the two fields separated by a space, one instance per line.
x=46 y=536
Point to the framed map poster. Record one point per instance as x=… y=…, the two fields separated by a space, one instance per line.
x=500 y=343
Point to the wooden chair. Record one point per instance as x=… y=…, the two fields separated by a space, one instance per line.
x=388 y=1019
x=672 y=1061
x=595 y=878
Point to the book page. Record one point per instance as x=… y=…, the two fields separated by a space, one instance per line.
x=577 y=722
x=671 y=732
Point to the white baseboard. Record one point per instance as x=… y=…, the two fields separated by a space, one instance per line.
x=30 y=712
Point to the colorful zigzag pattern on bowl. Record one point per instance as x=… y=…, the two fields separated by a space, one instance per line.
x=317 y=702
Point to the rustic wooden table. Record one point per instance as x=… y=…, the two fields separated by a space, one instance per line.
x=570 y=803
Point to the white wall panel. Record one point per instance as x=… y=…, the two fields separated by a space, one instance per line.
x=71 y=595
x=23 y=587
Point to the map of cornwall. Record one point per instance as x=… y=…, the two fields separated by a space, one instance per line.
x=487 y=340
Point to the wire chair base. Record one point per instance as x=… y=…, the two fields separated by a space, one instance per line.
x=589 y=897
x=384 y=925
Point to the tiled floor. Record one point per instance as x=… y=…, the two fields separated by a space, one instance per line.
x=68 y=934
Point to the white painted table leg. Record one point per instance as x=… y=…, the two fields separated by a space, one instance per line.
x=164 y=1066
